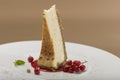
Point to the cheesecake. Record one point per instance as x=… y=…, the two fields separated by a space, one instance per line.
x=53 y=52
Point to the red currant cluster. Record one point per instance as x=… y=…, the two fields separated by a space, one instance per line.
x=74 y=66
x=70 y=66
x=34 y=65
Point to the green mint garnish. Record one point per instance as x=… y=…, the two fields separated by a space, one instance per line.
x=19 y=62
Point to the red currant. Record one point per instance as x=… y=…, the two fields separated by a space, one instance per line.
x=76 y=62
x=69 y=62
x=82 y=67
x=37 y=71
x=30 y=59
x=65 y=69
x=76 y=68
x=71 y=70
x=34 y=64
x=72 y=66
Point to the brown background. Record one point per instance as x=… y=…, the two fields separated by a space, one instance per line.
x=90 y=22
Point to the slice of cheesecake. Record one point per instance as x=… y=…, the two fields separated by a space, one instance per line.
x=53 y=52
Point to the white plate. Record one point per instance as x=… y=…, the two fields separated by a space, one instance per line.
x=101 y=65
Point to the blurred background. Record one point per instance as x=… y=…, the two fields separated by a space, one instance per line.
x=91 y=22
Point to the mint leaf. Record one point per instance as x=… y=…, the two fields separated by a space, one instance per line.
x=19 y=62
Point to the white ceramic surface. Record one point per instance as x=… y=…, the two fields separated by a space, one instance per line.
x=101 y=64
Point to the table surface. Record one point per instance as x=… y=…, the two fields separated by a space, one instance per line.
x=90 y=22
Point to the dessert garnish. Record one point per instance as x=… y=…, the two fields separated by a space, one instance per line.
x=28 y=71
x=19 y=62
x=30 y=59
x=70 y=66
x=37 y=71
x=74 y=66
